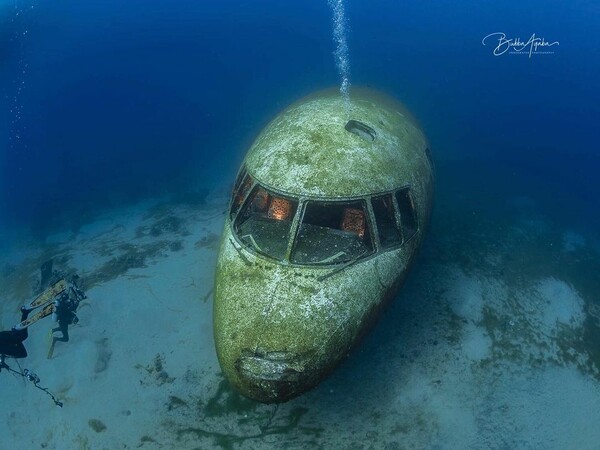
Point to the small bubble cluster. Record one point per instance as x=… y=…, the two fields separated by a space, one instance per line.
x=20 y=35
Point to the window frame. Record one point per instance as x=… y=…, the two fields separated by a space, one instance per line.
x=397 y=221
x=239 y=181
x=399 y=215
x=273 y=193
x=303 y=201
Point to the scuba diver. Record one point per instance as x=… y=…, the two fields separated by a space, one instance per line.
x=64 y=313
x=11 y=342
x=60 y=298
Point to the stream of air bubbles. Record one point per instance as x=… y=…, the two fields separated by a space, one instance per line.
x=20 y=35
x=342 y=59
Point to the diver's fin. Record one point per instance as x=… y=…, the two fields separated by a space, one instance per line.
x=44 y=312
x=48 y=295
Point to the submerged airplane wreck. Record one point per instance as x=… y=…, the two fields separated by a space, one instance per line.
x=327 y=213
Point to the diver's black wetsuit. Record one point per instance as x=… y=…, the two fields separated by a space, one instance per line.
x=11 y=342
x=65 y=314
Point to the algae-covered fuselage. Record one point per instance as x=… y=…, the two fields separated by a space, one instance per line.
x=327 y=213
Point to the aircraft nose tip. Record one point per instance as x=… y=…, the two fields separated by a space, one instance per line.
x=272 y=366
x=271 y=376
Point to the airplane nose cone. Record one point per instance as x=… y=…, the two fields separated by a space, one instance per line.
x=271 y=376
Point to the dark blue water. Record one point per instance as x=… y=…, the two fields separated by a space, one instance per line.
x=119 y=101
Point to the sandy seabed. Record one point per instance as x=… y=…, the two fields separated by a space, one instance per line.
x=490 y=344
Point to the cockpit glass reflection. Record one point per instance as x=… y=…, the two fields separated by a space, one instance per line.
x=332 y=233
x=265 y=221
x=387 y=227
x=242 y=186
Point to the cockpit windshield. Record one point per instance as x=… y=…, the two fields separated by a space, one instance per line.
x=265 y=222
x=332 y=232
x=325 y=232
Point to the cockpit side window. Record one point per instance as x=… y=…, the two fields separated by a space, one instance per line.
x=240 y=190
x=264 y=222
x=385 y=218
x=408 y=213
x=332 y=232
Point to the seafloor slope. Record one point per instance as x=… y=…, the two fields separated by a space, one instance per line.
x=494 y=342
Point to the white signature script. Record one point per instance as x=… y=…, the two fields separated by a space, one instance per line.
x=534 y=45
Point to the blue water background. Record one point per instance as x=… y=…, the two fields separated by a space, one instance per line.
x=122 y=100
